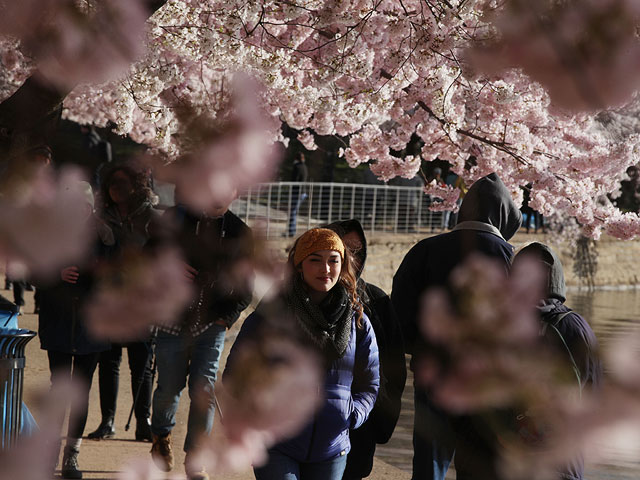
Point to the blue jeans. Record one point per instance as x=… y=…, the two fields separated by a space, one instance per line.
x=296 y=202
x=434 y=439
x=283 y=467
x=179 y=357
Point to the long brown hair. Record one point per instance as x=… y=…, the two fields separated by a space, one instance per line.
x=347 y=279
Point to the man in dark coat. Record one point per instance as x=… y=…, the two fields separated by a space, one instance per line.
x=488 y=218
x=216 y=246
x=393 y=371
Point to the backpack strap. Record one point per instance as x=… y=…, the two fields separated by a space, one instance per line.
x=554 y=325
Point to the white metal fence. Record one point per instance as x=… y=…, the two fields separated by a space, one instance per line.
x=289 y=208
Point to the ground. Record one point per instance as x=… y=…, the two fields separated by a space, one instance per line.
x=102 y=460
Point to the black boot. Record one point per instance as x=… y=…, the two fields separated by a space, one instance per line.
x=104 y=430
x=143 y=430
x=70 y=468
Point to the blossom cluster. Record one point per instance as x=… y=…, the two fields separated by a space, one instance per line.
x=381 y=73
x=377 y=75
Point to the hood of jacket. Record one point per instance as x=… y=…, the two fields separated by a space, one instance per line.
x=488 y=201
x=557 y=288
x=344 y=227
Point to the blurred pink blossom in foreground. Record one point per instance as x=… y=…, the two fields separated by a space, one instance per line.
x=256 y=403
x=141 y=291
x=495 y=366
x=586 y=54
x=145 y=469
x=227 y=154
x=485 y=335
x=74 y=44
x=34 y=457
x=43 y=219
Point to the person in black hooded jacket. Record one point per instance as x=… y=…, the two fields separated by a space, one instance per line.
x=393 y=371
x=72 y=350
x=488 y=218
x=567 y=333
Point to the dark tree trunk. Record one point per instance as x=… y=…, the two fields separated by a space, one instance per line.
x=30 y=116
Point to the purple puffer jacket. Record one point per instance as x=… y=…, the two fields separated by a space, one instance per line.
x=351 y=388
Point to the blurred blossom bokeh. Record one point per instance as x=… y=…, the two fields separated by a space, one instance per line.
x=44 y=218
x=225 y=154
x=255 y=400
x=480 y=332
x=138 y=292
x=76 y=42
x=35 y=456
x=585 y=53
x=492 y=362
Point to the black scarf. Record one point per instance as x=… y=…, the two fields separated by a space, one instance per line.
x=327 y=324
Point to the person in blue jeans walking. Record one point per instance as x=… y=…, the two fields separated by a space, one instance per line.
x=322 y=303
x=188 y=352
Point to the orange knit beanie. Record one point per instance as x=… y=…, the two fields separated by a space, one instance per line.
x=314 y=240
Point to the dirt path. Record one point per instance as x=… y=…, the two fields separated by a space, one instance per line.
x=102 y=460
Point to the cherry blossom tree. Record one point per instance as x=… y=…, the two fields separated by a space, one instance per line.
x=522 y=85
x=543 y=93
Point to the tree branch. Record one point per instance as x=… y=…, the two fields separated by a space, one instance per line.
x=34 y=108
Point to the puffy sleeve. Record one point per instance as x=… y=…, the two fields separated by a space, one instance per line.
x=366 y=374
x=583 y=346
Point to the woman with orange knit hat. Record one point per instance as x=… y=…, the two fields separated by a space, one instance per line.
x=321 y=302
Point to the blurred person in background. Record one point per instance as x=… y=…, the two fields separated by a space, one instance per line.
x=299 y=174
x=216 y=246
x=128 y=209
x=570 y=338
x=72 y=351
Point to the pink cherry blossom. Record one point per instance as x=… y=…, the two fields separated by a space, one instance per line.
x=586 y=54
x=307 y=140
x=73 y=42
x=487 y=335
x=261 y=405
x=225 y=155
x=43 y=220
x=255 y=404
x=379 y=76
x=140 y=291
x=145 y=469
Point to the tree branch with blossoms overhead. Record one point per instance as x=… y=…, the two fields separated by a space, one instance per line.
x=362 y=70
